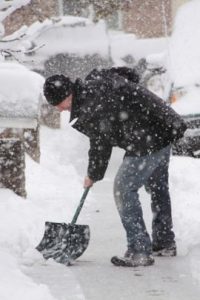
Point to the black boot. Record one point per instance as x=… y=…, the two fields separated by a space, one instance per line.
x=167 y=251
x=134 y=260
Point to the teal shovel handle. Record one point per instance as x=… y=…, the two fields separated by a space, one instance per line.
x=78 y=210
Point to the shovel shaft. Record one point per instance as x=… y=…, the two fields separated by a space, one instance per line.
x=78 y=210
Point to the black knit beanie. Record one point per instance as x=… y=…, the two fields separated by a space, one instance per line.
x=57 y=88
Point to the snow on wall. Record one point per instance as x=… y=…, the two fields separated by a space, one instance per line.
x=34 y=30
x=16 y=4
x=20 y=91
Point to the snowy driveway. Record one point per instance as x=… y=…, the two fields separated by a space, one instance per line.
x=54 y=187
x=93 y=277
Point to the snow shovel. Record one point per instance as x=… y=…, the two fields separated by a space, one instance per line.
x=65 y=242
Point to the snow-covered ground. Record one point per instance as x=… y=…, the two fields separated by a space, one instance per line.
x=54 y=187
x=53 y=190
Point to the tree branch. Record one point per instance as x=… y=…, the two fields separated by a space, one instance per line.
x=13 y=40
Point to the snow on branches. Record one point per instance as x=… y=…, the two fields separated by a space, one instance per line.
x=8 y=45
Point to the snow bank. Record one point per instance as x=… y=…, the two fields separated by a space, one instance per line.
x=15 y=285
x=20 y=91
x=184 y=45
x=123 y=45
x=82 y=40
x=185 y=194
x=188 y=103
x=19 y=229
x=54 y=189
x=73 y=35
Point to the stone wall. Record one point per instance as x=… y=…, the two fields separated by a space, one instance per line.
x=37 y=10
x=146 y=18
x=12 y=165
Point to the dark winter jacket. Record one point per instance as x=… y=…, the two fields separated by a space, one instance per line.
x=116 y=112
x=130 y=74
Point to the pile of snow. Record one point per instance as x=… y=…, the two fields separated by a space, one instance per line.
x=54 y=189
x=184 y=46
x=184 y=187
x=81 y=39
x=184 y=58
x=181 y=58
x=16 y=285
x=73 y=35
x=189 y=103
x=20 y=91
x=123 y=44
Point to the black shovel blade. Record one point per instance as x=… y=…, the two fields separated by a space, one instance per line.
x=64 y=242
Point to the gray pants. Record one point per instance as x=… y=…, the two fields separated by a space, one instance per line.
x=152 y=172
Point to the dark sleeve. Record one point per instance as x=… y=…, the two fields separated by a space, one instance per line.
x=99 y=155
x=157 y=108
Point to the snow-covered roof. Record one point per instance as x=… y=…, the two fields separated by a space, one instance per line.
x=20 y=91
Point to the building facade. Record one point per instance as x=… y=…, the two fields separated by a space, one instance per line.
x=146 y=19
x=36 y=10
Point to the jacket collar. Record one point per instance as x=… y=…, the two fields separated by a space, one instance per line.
x=77 y=100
